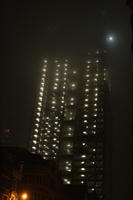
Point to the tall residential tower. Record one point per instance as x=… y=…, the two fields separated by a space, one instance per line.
x=69 y=120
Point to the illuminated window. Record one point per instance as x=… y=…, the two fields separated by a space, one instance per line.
x=83 y=156
x=67 y=147
x=86 y=100
x=73 y=86
x=55 y=88
x=67 y=181
x=85 y=121
x=69 y=114
x=85 y=116
x=86 y=105
x=43 y=75
x=35 y=136
x=87 y=75
x=68 y=131
x=96 y=94
x=34 y=141
x=74 y=72
x=34 y=147
x=82 y=169
x=66 y=69
x=84 y=132
x=95 y=79
x=45 y=61
x=42 y=89
x=38 y=114
x=37 y=125
x=39 y=103
x=87 y=85
x=53 y=107
x=44 y=70
x=82 y=175
x=39 y=109
x=42 y=79
x=94 y=132
x=68 y=169
x=36 y=130
x=53 y=102
x=97 y=61
x=37 y=119
x=57 y=79
x=57 y=74
x=42 y=84
x=55 y=84
x=88 y=66
x=40 y=98
x=86 y=90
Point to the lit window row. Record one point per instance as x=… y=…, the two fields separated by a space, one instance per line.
x=67 y=181
x=68 y=169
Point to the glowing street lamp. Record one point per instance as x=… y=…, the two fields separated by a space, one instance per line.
x=24 y=196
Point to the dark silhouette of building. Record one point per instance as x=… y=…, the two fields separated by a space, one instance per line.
x=22 y=172
x=6 y=137
x=69 y=121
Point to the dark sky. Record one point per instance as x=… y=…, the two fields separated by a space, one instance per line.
x=33 y=30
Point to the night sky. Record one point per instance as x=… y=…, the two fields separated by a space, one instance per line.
x=32 y=31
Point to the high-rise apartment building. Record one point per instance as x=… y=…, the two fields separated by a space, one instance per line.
x=69 y=120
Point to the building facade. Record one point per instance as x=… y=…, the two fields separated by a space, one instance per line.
x=69 y=119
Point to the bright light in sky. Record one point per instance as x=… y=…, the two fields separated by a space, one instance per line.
x=110 y=38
